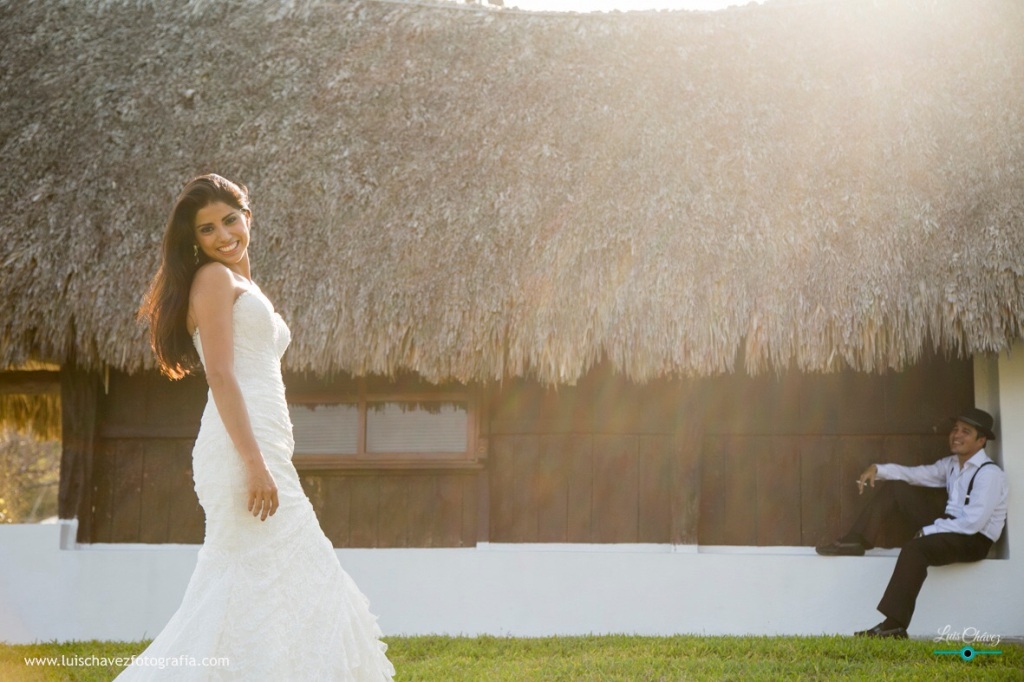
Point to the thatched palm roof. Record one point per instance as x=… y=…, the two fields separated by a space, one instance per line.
x=475 y=194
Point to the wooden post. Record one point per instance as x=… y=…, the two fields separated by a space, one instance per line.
x=79 y=392
x=485 y=399
x=687 y=450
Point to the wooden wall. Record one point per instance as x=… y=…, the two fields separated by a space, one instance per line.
x=396 y=509
x=590 y=487
x=604 y=461
x=142 y=467
x=793 y=489
x=730 y=460
x=143 y=489
x=724 y=461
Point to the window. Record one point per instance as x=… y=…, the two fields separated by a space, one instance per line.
x=410 y=427
x=383 y=429
x=325 y=429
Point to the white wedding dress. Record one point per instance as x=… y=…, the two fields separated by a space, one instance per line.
x=270 y=596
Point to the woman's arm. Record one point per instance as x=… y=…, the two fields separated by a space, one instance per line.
x=212 y=299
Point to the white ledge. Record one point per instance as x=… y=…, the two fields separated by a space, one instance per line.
x=554 y=547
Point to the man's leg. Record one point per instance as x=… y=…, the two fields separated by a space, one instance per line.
x=897 y=510
x=893 y=513
x=938 y=549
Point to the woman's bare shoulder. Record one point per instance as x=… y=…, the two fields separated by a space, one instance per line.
x=214 y=288
x=217 y=280
x=212 y=277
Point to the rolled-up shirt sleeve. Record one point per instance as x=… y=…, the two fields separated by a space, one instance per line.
x=928 y=475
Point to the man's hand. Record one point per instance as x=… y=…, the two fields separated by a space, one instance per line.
x=868 y=477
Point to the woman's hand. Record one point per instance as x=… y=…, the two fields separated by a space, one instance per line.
x=262 y=491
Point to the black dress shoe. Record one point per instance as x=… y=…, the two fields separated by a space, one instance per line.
x=838 y=548
x=898 y=632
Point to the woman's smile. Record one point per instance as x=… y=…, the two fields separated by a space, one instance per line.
x=230 y=247
x=222 y=233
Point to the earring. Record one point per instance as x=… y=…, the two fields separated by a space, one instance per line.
x=195 y=253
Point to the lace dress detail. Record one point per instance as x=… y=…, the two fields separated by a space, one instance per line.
x=271 y=596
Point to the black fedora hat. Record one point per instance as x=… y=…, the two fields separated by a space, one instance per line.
x=979 y=419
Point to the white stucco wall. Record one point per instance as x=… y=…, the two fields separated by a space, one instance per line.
x=127 y=592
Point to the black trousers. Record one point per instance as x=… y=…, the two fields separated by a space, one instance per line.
x=896 y=511
x=892 y=516
x=917 y=555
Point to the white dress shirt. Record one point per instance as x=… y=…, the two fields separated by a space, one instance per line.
x=986 y=512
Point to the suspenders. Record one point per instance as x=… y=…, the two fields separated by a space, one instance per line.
x=970 y=486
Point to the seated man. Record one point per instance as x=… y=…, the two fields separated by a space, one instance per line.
x=973 y=518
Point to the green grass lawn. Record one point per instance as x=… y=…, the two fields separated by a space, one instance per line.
x=606 y=658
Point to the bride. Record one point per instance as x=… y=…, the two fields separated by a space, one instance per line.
x=268 y=598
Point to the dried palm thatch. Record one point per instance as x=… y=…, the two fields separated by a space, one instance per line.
x=476 y=194
x=38 y=415
x=35 y=410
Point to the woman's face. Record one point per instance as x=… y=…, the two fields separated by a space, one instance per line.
x=222 y=232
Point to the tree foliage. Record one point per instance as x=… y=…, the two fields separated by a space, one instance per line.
x=29 y=477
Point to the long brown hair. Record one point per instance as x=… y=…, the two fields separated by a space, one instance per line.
x=165 y=306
